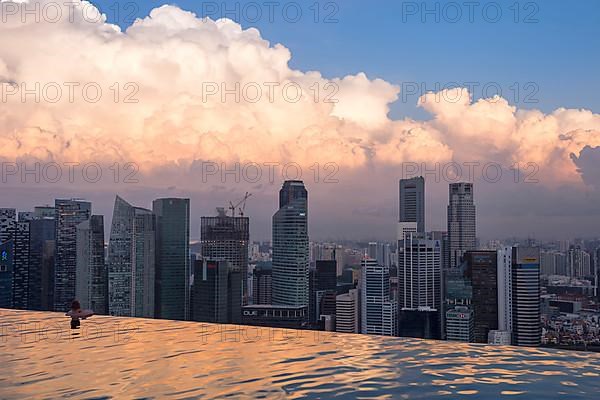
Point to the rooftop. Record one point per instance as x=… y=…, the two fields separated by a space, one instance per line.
x=126 y=358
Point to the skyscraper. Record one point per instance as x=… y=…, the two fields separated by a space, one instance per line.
x=290 y=246
x=6 y=274
x=21 y=263
x=323 y=285
x=68 y=214
x=483 y=271
x=172 y=257
x=227 y=237
x=461 y=221
x=578 y=263
x=412 y=202
x=131 y=261
x=458 y=292
x=526 y=324
x=215 y=295
x=419 y=286
x=8 y=224
x=519 y=294
x=41 y=275
x=505 y=290
x=8 y=228
x=91 y=283
x=379 y=311
x=262 y=283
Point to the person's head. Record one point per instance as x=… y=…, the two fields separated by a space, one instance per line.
x=75 y=305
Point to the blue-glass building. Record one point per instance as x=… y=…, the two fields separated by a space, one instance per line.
x=290 y=246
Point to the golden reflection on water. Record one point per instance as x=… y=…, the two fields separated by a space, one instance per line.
x=124 y=358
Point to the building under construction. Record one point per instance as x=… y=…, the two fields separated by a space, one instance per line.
x=226 y=236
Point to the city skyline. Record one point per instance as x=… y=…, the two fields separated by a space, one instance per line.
x=473 y=295
x=299 y=199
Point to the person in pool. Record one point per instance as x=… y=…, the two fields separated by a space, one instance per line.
x=75 y=309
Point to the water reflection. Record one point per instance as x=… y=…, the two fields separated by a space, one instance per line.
x=118 y=357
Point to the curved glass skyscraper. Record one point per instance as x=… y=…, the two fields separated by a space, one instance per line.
x=290 y=246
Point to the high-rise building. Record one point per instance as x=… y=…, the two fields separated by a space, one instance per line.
x=41 y=274
x=526 y=327
x=379 y=311
x=47 y=286
x=382 y=254
x=131 y=261
x=215 y=296
x=372 y=250
x=8 y=228
x=561 y=261
x=6 y=274
x=68 y=214
x=347 y=312
x=21 y=263
x=596 y=273
x=458 y=292
x=412 y=202
x=505 y=290
x=172 y=258
x=91 y=280
x=322 y=289
x=419 y=286
x=578 y=263
x=482 y=268
x=443 y=238
x=290 y=246
x=227 y=237
x=262 y=283
x=548 y=263
x=8 y=224
x=460 y=324
x=461 y=221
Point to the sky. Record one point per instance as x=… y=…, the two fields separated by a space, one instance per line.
x=552 y=44
x=508 y=89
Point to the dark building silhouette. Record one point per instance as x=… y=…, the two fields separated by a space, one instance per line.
x=322 y=289
x=172 y=258
x=47 y=285
x=21 y=263
x=424 y=324
x=261 y=283
x=215 y=294
x=6 y=274
x=41 y=232
x=482 y=269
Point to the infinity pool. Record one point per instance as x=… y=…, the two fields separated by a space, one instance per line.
x=113 y=357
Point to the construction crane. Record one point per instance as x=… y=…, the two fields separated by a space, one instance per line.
x=241 y=203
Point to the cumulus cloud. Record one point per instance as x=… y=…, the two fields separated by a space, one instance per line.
x=162 y=83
